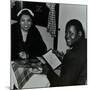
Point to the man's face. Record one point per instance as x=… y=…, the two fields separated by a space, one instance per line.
x=71 y=36
x=25 y=22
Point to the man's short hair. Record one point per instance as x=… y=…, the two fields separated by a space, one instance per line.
x=77 y=24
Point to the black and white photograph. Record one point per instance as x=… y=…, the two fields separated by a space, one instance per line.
x=48 y=44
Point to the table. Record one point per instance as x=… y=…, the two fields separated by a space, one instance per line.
x=22 y=77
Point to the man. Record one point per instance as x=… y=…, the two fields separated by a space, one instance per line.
x=74 y=65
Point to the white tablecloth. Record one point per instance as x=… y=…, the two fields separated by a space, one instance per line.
x=37 y=81
x=32 y=81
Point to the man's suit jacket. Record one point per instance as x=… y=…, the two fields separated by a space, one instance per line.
x=74 y=65
x=73 y=68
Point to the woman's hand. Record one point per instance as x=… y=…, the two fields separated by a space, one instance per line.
x=41 y=60
x=23 y=55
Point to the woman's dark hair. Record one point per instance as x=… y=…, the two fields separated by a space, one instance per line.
x=77 y=24
x=25 y=12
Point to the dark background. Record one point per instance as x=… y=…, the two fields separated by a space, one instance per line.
x=40 y=11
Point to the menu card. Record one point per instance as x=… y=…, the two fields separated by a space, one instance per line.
x=52 y=59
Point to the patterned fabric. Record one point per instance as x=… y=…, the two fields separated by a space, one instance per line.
x=51 y=19
x=22 y=74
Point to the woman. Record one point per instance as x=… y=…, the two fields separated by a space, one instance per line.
x=26 y=41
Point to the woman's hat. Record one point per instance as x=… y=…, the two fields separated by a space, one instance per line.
x=25 y=9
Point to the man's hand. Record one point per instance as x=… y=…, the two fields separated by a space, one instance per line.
x=60 y=55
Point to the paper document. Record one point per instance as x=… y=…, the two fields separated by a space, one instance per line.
x=52 y=59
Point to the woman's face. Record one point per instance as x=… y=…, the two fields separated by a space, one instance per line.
x=25 y=22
